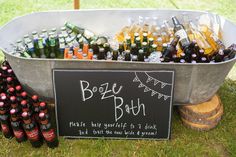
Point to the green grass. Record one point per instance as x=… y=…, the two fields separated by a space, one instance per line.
x=220 y=141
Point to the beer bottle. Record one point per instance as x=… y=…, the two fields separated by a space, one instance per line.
x=101 y=54
x=4 y=119
x=127 y=55
x=43 y=107
x=121 y=47
x=141 y=55
x=63 y=31
x=145 y=37
x=150 y=42
x=180 y=31
x=201 y=39
x=106 y=48
x=35 y=101
x=134 y=58
x=159 y=44
x=62 y=46
x=134 y=50
x=22 y=49
x=24 y=95
x=14 y=104
x=115 y=54
x=136 y=35
x=219 y=56
x=31 y=49
x=31 y=130
x=175 y=58
x=35 y=42
x=26 y=39
x=41 y=48
x=11 y=91
x=10 y=82
x=109 y=56
x=95 y=47
x=171 y=48
x=138 y=43
x=46 y=38
x=19 y=90
x=48 y=131
x=145 y=48
x=17 y=126
x=52 y=44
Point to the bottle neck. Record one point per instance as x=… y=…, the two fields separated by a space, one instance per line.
x=175 y=21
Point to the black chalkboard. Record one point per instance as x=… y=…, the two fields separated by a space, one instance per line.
x=113 y=104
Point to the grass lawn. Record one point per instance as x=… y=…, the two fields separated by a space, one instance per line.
x=220 y=141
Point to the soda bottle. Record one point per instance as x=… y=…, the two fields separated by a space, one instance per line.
x=16 y=125
x=5 y=121
x=31 y=130
x=35 y=107
x=48 y=131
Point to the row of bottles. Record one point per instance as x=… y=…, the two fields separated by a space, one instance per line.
x=145 y=42
x=22 y=116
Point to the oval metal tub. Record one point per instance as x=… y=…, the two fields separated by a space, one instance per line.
x=194 y=83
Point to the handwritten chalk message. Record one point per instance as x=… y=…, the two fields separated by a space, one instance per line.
x=114 y=104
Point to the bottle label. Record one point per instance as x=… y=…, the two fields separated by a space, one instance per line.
x=49 y=135
x=182 y=34
x=4 y=128
x=33 y=134
x=18 y=133
x=30 y=45
x=52 y=42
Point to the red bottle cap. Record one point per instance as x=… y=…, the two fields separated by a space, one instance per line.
x=12 y=111
x=9 y=70
x=23 y=102
x=12 y=98
x=2 y=94
x=11 y=89
x=35 y=97
x=18 y=88
x=41 y=114
x=4 y=67
x=4 y=97
x=1 y=104
x=0 y=74
x=24 y=94
x=42 y=104
x=9 y=79
x=24 y=114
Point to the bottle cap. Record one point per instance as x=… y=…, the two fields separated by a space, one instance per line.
x=4 y=67
x=2 y=94
x=11 y=89
x=23 y=102
x=1 y=104
x=12 y=111
x=23 y=94
x=12 y=98
x=9 y=79
x=41 y=114
x=35 y=97
x=18 y=88
x=42 y=104
x=4 y=97
x=9 y=70
x=24 y=114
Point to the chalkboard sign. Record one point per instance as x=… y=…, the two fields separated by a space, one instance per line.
x=113 y=104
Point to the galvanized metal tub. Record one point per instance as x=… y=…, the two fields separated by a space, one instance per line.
x=194 y=83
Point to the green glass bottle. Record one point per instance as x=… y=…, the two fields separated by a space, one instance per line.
x=41 y=48
x=52 y=44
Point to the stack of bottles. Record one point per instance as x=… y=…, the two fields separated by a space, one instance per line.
x=22 y=116
x=184 y=44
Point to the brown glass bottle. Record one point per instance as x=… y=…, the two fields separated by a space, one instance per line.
x=31 y=130
x=180 y=31
x=48 y=131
